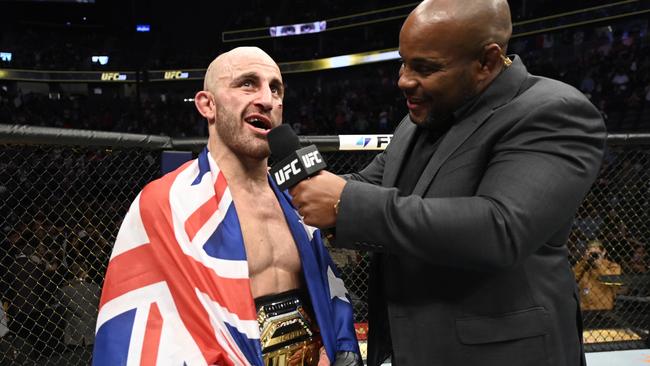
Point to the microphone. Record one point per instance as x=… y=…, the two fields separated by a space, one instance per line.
x=294 y=164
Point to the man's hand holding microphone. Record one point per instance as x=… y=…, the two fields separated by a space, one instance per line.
x=317 y=199
x=315 y=191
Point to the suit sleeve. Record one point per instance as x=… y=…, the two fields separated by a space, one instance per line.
x=538 y=174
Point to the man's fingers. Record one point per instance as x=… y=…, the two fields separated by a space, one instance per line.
x=297 y=190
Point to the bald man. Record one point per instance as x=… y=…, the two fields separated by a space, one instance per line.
x=249 y=282
x=469 y=208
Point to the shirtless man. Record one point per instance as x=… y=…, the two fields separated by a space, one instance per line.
x=285 y=306
x=242 y=101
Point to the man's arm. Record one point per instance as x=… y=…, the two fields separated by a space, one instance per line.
x=579 y=270
x=538 y=175
x=317 y=198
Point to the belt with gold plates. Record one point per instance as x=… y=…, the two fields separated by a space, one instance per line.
x=288 y=331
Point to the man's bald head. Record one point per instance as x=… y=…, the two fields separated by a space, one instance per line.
x=475 y=22
x=224 y=63
x=451 y=51
x=241 y=100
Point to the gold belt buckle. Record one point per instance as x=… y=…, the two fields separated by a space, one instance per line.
x=304 y=353
x=288 y=334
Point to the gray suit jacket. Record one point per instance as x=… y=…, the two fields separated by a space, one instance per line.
x=474 y=265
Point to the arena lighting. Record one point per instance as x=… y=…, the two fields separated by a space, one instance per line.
x=296 y=29
x=142 y=28
x=339 y=61
x=358 y=59
x=6 y=56
x=102 y=60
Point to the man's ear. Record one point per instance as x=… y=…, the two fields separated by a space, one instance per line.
x=204 y=103
x=491 y=62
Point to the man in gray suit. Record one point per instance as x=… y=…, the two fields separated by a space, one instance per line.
x=469 y=208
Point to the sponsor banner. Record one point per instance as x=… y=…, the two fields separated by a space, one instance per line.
x=116 y=76
x=363 y=142
x=100 y=76
x=67 y=76
x=170 y=75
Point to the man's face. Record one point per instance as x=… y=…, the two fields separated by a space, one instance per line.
x=596 y=252
x=248 y=98
x=435 y=75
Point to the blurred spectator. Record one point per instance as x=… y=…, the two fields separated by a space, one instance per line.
x=588 y=85
x=638 y=262
x=596 y=296
x=589 y=224
x=8 y=252
x=28 y=292
x=616 y=235
x=620 y=80
x=80 y=300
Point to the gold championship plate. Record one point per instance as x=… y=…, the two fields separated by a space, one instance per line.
x=288 y=333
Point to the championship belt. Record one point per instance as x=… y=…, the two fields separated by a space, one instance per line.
x=288 y=331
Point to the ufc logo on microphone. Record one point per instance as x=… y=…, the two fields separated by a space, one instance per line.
x=311 y=159
x=287 y=171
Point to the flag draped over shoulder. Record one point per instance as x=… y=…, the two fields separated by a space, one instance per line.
x=177 y=289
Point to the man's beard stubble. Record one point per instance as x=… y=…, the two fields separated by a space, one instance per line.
x=228 y=128
x=436 y=120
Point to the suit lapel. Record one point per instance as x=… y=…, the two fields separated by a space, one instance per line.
x=398 y=148
x=503 y=89
x=451 y=142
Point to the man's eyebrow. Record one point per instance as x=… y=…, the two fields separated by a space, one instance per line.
x=428 y=61
x=277 y=83
x=254 y=76
x=245 y=76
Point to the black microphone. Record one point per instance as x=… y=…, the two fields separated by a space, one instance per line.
x=293 y=164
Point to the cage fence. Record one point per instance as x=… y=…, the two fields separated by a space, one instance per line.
x=62 y=207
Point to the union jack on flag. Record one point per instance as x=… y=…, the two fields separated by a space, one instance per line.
x=177 y=290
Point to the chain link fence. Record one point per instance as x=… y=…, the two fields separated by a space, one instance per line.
x=608 y=251
x=62 y=207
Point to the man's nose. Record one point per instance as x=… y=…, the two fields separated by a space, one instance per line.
x=264 y=98
x=406 y=82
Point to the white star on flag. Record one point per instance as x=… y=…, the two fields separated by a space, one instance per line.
x=337 y=289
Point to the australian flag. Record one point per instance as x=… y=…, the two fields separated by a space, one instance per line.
x=177 y=290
